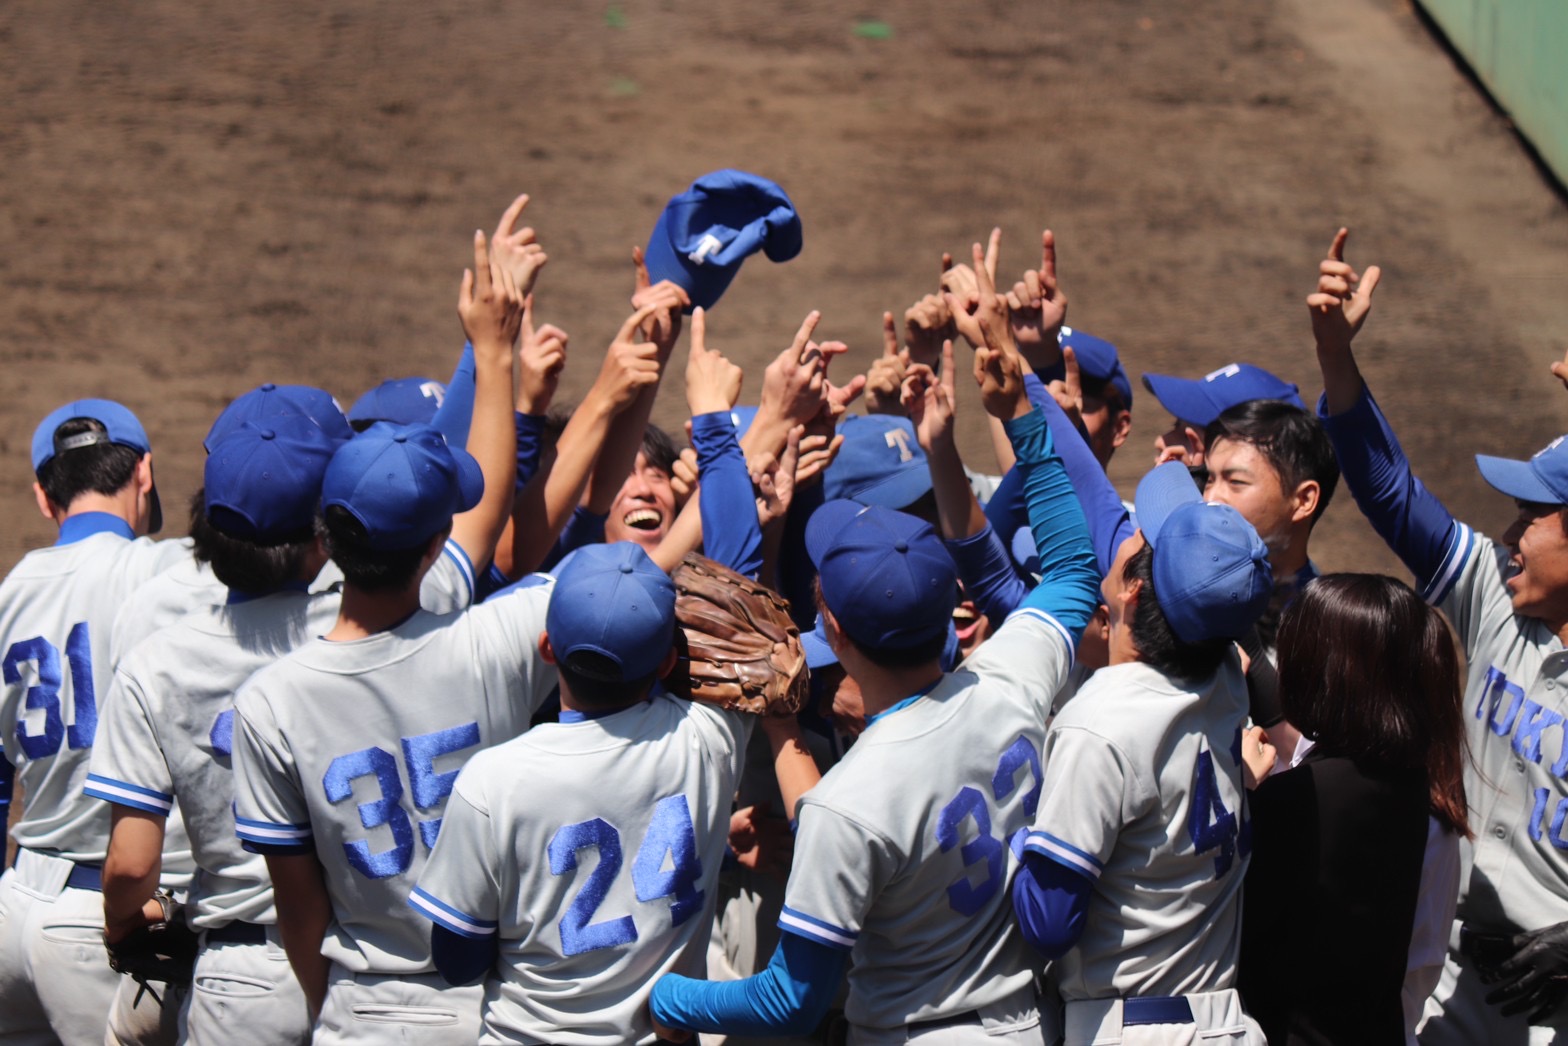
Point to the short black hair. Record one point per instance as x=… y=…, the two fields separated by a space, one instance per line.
x=658 y=448
x=367 y=569
x=1103 y=389
x=245 y=565
x=1291 y=440
x=593 y=681
x=1157 y=643
x=100 y=468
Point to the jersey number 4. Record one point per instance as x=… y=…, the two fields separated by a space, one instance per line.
x=963 y=896
x=45 y=693
x=1209 y=823
x=670 y=834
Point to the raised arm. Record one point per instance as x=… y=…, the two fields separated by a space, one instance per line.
x=731 y=533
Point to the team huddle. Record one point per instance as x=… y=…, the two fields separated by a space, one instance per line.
x=406 y=741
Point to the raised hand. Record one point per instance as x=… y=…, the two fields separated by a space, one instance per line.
x=816 y=454
x=774 y=479
x=886 y=375
x=683 y=472
x=1343 y=298
x=1560 y=371
x=792 y=385
x=927 y=324
x=517 y=253
x=665 y=327
x=989 y=307
x=541 y=356
x=999 y=371
x=1069 y=393
x=712 y=382
x=930 y=399
x=630 y=365
x=1038 y=308
x=488 y=304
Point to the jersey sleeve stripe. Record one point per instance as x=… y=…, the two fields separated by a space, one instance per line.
x=272 y=834
x=815 y=929
x=1057 y=626
x=1461 y=541
x=445 y=915
x=1064 y=853
x=464 y=566
x=124 y=794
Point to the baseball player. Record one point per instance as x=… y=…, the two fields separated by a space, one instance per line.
x=905 y=847
x=169 y=719
x=95 y=480
x=571 y=898
x=1132 y=873
x=1195 y=402
x=1507 y=966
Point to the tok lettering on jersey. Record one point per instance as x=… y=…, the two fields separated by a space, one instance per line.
x=1521 y=723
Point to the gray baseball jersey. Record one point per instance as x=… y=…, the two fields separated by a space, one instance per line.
x=57 y=608
x=1516 y=705
x=350 y=750
x=1143 y=794
x=591 y=851
x=168 y=725
x=905 y=848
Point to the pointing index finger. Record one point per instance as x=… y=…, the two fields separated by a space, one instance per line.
x=993 y=250
x=1336 y=250
x=803 y=335
x=699 y=330
x=509 y=218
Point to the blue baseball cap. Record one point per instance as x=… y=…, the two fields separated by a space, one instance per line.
x=402 y=482
x=1202 y=400
x=1542 y=480
x=1097 y=358
x=1211 y=570
x=402 y=401
x=880 y=463
x=819 y=652
x=886 y=575
x=275 y=401
x=613 y=601
x=704 y=233
x=119 y=426
x=262 y=482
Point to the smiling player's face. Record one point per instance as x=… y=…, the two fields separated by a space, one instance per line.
x=644 y=508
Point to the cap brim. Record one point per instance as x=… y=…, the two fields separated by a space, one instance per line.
x=819 y=654
x=825 y=525
x=1516 y=479
x=1183 y=397
x=900 y=490
x=1161 y=492
x=470 y=479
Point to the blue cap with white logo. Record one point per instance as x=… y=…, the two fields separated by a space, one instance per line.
x=1201 y=401
x=879 y=463
x=402 y=401
x=403 y=483
x=1097 y=358
x=612 y=601
x=1211 y=570
x=704 y=233
x=1542 y=480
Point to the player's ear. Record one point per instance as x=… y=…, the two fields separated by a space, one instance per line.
x=546 y=651
x=1130 y=595
x=1121 y=427
x=1304 y=502
x=45 y=506
x=144 y=474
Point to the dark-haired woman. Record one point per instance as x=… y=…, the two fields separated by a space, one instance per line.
x=1356 y=847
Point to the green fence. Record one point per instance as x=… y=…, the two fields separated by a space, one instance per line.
x=1519 y=49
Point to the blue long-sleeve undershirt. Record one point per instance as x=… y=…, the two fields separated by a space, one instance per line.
x=530 y=438
x=7 y=785
x=1051 y=902
x=1069 y=588
x=730 y=532
x=796 y=572
x=790 y=997
x=1406 y=515
x=986 y=569
x=456 y=412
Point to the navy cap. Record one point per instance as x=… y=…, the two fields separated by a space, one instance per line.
x=402 y=482
x=262 y=482
x=1542 y=480
x=121 y=427
x=274 y=401
x=880 y=462
x=1211 y=570
x=704 y=234
x=886 y=575
x=402 y=401
x=1201 y=401
x=1097 y=358
x=613 y=601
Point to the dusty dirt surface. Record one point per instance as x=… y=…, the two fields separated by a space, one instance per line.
x=198 y=197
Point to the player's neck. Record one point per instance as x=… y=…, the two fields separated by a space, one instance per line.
x=121 y=504
x=1290 y=560
x=362 y=614
x=882 y=688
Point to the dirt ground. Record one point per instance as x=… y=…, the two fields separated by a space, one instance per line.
x=198 y=197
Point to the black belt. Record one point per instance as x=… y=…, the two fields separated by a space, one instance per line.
x=1156 y=1009
x=967 y=1017
x=238 y=933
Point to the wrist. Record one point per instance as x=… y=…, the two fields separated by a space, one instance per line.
x=707 y=403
